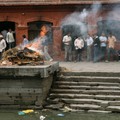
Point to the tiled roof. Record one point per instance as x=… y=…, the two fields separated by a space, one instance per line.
x=52 y=2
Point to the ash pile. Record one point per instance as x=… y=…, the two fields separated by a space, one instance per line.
x=26 y=56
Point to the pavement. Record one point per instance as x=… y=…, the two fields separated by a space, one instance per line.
x=113 y=67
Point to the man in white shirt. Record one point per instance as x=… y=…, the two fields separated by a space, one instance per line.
x=79 y=44
x=89 y=42
x=2 y=46
x=103 y=45
x=67 y=40
x=10 y=39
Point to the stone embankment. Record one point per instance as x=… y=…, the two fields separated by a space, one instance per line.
x=85 y=92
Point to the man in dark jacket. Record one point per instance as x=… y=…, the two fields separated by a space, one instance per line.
x=96 y=48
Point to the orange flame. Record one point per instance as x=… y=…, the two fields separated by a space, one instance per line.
x=37 y=44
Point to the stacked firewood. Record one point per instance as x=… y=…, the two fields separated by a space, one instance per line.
x=26 y=56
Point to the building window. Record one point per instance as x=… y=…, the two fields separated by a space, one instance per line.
x=35 y=28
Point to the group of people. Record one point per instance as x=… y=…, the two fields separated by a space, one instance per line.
x=7 y=40
x=98 y=48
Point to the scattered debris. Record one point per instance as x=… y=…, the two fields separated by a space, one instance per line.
x=42 y=117
x=67 y=109
x=60 y=115
x=25 y=112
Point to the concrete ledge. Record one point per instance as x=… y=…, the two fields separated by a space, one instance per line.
x=42 y=71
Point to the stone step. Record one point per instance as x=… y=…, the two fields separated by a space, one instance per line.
x=99 y=111
x=108 y=97
x=85 y=96
x=85 y=107
x=113 y=108
x=93 y=92
x=85 y=104
x=114 y=103
x=89 y=79
x=105 y=74
x=76 y=101
x=87 y=87
x=69 y=95
x=85 y=83
x=102 y=103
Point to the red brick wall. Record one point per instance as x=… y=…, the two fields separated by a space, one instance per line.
x=54 y=14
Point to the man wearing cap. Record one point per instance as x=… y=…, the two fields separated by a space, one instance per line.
x=2 y=46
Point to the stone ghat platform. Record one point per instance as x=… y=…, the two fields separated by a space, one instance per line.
x=26 y=86
x=42 y=71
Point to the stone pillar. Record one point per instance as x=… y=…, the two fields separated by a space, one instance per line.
x=20 y=30
x=57 y=43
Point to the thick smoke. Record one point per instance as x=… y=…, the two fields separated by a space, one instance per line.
x=96 y=7
x=112 y=21
x=76 y=22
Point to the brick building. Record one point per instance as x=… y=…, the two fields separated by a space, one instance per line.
x=59 y=16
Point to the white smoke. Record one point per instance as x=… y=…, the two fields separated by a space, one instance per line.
x=114 y=13
x=79 y=18
x=96 y=7
x=75 y=18
x=112 y=21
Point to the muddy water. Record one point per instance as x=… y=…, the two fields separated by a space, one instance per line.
x=57 y=115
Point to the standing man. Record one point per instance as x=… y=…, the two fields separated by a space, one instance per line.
x=111 y=45
x=89 y=42
x=79 y=44
x=103 y=45
x=2 y=46
x=67 y=40
x=96 y=49
x=10 y=39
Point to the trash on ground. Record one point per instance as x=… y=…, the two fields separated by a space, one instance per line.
x=42 y=117
x=60 y=115
x=21 y=113
x=67 y=109
x=28 y=111
x=25 y=112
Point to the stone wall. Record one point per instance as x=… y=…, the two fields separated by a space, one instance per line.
x=26 y=86
x=24 y=92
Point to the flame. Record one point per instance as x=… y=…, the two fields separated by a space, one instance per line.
x=44 y=29
x=36 y=45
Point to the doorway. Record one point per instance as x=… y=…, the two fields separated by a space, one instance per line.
x=5 y=26
x=35 y=27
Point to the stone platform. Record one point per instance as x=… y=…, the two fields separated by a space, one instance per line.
x=92 y=67
x=42 y=71
x=26 y=86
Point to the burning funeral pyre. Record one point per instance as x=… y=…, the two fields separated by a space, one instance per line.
x=26 y=56
x=29 y=54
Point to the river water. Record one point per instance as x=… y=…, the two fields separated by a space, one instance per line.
x=57 y=115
